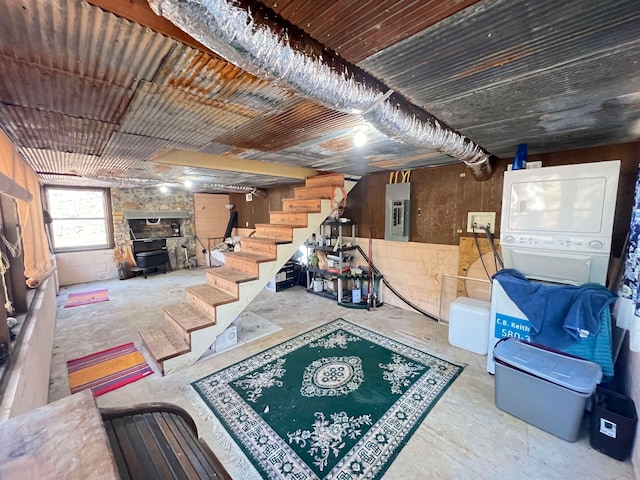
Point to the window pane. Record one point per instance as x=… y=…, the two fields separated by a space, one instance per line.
x=73 y=233
x=65 y=203
x=79 y=218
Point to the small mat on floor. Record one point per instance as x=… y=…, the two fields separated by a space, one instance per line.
x=86 y=298
x=107 y=370
x=338 y=402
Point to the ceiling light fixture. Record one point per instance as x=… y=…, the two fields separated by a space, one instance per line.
x=360 y=138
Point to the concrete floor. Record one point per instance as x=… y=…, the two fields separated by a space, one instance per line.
x=464 y=436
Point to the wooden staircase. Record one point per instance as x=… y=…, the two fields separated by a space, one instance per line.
x=189 y=328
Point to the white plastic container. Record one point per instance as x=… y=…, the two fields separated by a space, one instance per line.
x=318 y=285
x=547 y=389
x=469 y=324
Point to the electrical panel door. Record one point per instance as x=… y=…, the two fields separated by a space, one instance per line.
x=397 y=212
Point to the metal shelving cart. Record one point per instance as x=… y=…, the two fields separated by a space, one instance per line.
x=331 y=243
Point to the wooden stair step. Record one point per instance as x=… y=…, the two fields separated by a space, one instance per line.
x=277 y=232
x=210 y=295
x=262 y=246
x=187 y=317
x=164 y=341
x=227 y=279
x=245 y=261
x=311 y=205
x=299 y=219
x=205 y=298
x=328 y=179
x=322 y=191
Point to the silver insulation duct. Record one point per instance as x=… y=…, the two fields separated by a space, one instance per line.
x=256 y=39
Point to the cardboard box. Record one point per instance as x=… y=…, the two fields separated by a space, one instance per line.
x=331 y=285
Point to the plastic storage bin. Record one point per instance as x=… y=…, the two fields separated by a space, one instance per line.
x=613 y=424
x=545 y=388
x=469 y=324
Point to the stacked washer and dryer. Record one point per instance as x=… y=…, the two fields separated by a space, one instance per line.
x=556 y=228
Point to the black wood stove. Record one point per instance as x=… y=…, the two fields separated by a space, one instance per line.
x=150 y=253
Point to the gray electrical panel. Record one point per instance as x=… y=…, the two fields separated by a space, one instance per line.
x=397 y=212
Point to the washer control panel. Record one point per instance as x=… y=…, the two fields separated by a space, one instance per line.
x=555 y=242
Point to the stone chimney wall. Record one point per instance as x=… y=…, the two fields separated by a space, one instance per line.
x=152 y=200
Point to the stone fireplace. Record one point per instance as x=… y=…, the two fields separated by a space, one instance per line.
x=140 y=213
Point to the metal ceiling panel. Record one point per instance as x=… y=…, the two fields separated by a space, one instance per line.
x=346 y=164
x=49 y=161
x=131 y=169
x=95 y=168
x=336 y=151
x=499 y=40
x=215 y=148
x=73 y=36
x=213 y=176
x=171 y=114
x=298 y=122
x=616 y=120
x=91 y=99
x=37 y=86
x=565 y=90
x=32 y=128
x=52 y=179
x=357 y=30
x=128 y=146
x=200 y=74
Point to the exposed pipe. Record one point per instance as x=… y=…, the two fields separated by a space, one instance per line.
x=256 y=39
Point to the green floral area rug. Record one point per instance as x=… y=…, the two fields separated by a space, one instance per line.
x=337 y=402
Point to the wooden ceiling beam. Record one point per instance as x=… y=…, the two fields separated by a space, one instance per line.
x=228 y=163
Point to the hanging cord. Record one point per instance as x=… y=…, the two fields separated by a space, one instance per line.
x=475 y=239
x=15 y=249
x=496 y=255
x=395 y=292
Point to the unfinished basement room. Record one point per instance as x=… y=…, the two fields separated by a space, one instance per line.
x=297 y=240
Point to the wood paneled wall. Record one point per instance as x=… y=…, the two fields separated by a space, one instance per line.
x=257 y=210
x=211 y=219
x=441 y=197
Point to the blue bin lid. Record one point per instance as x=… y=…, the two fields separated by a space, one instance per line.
x=572 y=373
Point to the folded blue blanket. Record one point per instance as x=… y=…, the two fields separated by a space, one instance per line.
x=559 y=314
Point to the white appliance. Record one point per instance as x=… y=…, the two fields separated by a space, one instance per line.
x=556 y=227
x=507 y=320
x=557 y=221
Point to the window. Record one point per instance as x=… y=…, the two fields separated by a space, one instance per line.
x=81 y=218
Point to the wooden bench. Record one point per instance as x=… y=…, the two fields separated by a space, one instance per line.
x=159 y=441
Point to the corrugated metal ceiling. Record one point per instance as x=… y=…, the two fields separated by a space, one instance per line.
x=358 y=29
x=91 y=98
x=554 y=75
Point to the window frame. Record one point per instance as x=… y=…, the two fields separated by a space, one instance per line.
x=108 y=219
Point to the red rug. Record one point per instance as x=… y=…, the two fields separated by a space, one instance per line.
x=86 y=298
x=107 y=370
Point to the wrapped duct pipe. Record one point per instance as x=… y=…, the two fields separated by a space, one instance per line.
x=256 y=39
